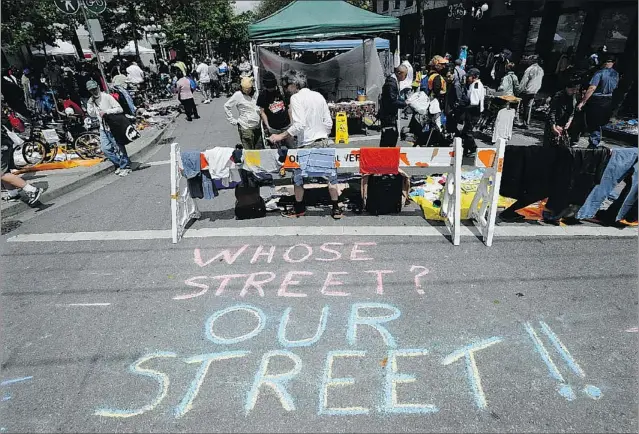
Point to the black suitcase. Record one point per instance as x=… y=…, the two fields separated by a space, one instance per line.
x=384 y=194
x=248 y=203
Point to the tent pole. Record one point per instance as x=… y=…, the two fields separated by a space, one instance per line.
x=399 y=112
x=256 y=81
x=364 y=56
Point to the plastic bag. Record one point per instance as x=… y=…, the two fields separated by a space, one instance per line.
x=419 y=102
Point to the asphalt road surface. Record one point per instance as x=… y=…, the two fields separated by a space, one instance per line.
x=255 y=332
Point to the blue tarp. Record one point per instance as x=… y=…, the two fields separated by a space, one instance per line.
x=342 y=44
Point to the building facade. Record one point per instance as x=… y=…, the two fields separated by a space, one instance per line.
x=548 y=27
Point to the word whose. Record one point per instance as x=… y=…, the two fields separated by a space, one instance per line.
x=267 y=377
x=254 y=283
x=327 y=252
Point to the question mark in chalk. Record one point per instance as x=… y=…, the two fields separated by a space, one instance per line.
x=418 y=285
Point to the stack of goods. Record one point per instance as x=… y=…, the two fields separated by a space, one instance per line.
x=430 y=194
x=353 y=109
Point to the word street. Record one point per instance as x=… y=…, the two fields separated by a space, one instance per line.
x=367 y=318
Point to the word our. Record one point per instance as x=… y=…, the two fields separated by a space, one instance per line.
x=360 y=316
x=293 y=285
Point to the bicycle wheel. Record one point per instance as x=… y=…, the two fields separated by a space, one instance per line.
x=34 y=152
x=87 y=146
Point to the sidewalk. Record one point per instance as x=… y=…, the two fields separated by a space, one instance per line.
x=61 y=181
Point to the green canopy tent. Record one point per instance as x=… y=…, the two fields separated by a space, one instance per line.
x=317 y=20
x=321 y=19
x=309 y=20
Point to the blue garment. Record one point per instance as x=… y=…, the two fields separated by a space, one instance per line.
x=317 y=162
x=620 y=162
x=192 y=169
x=632 y=196
x=127 y=97
x=209 y=191
x=190 y=163
x=115 y=152
x=606 y=80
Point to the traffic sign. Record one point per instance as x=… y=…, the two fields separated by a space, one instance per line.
x=95 y=6
x=67 y=6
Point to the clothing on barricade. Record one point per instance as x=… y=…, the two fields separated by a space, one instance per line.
x=219 y=160
x=317 y=162
x=563 y=175
x=621 y=162
x=199 y=181
x=380 y=161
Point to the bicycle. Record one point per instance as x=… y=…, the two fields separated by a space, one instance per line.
x=43 y=144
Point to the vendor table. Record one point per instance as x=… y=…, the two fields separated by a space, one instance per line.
x=353 y=109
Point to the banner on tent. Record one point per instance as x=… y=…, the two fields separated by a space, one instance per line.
x=337 y=78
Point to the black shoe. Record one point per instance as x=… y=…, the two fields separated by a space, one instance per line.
x=196 y=117
x=337 y=213
x=291 y=213
x=511 y=218
x=189 y=120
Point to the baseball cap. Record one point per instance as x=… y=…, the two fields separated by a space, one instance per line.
x=92 y=84
x=438 y=60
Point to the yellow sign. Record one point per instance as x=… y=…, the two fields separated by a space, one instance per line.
x=341 y=128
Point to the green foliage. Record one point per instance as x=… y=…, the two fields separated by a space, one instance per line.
x=34 y=23
x=269 y=7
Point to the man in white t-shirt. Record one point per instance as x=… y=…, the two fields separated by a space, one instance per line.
x=135 y=74
x=205 y=80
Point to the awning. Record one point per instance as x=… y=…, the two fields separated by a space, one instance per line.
x=321 y=19
x=337 y=45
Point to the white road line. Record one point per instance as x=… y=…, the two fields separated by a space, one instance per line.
x=322 y=231
x=157 y=163
x=86 y=304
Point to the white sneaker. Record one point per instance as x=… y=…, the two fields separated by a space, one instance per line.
x=33 y=196
x=124 y=172
x=117 y=171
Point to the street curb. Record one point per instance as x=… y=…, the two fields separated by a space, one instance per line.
x=101 y=170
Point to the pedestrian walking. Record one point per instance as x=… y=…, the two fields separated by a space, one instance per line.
x=390 y=103
x=509 y=83
x=248 y=120
x=185 y=96
x=205 y=80
x=598 y=99
x=310 y=122
x=528 y=87
x=100 y=104
x=472 y=103
x=13 y=94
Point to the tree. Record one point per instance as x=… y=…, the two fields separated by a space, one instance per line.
x=269 y=7
x=420 y=31
x=33 y=24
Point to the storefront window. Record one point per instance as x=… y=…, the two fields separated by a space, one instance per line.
x=397 y=2
x=385 y=5
x=409 y=3
x=614 y=28
x=568 y=31
x=533 y=34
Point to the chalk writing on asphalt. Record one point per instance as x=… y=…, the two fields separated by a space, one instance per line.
x=376 y=317
x=301 y=282
x=371 y=331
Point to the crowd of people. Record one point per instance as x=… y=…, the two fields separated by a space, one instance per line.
x=580 y=96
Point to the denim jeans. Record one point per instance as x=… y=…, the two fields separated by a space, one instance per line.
x=631 y=198
x=620 y=162
x=594 y=138
x=115 y=152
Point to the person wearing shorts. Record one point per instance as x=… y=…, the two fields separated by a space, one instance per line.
x=30 y=194
x=310 y=123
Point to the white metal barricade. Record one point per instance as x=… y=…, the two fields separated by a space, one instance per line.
x=483 y=209
x=184 y=208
